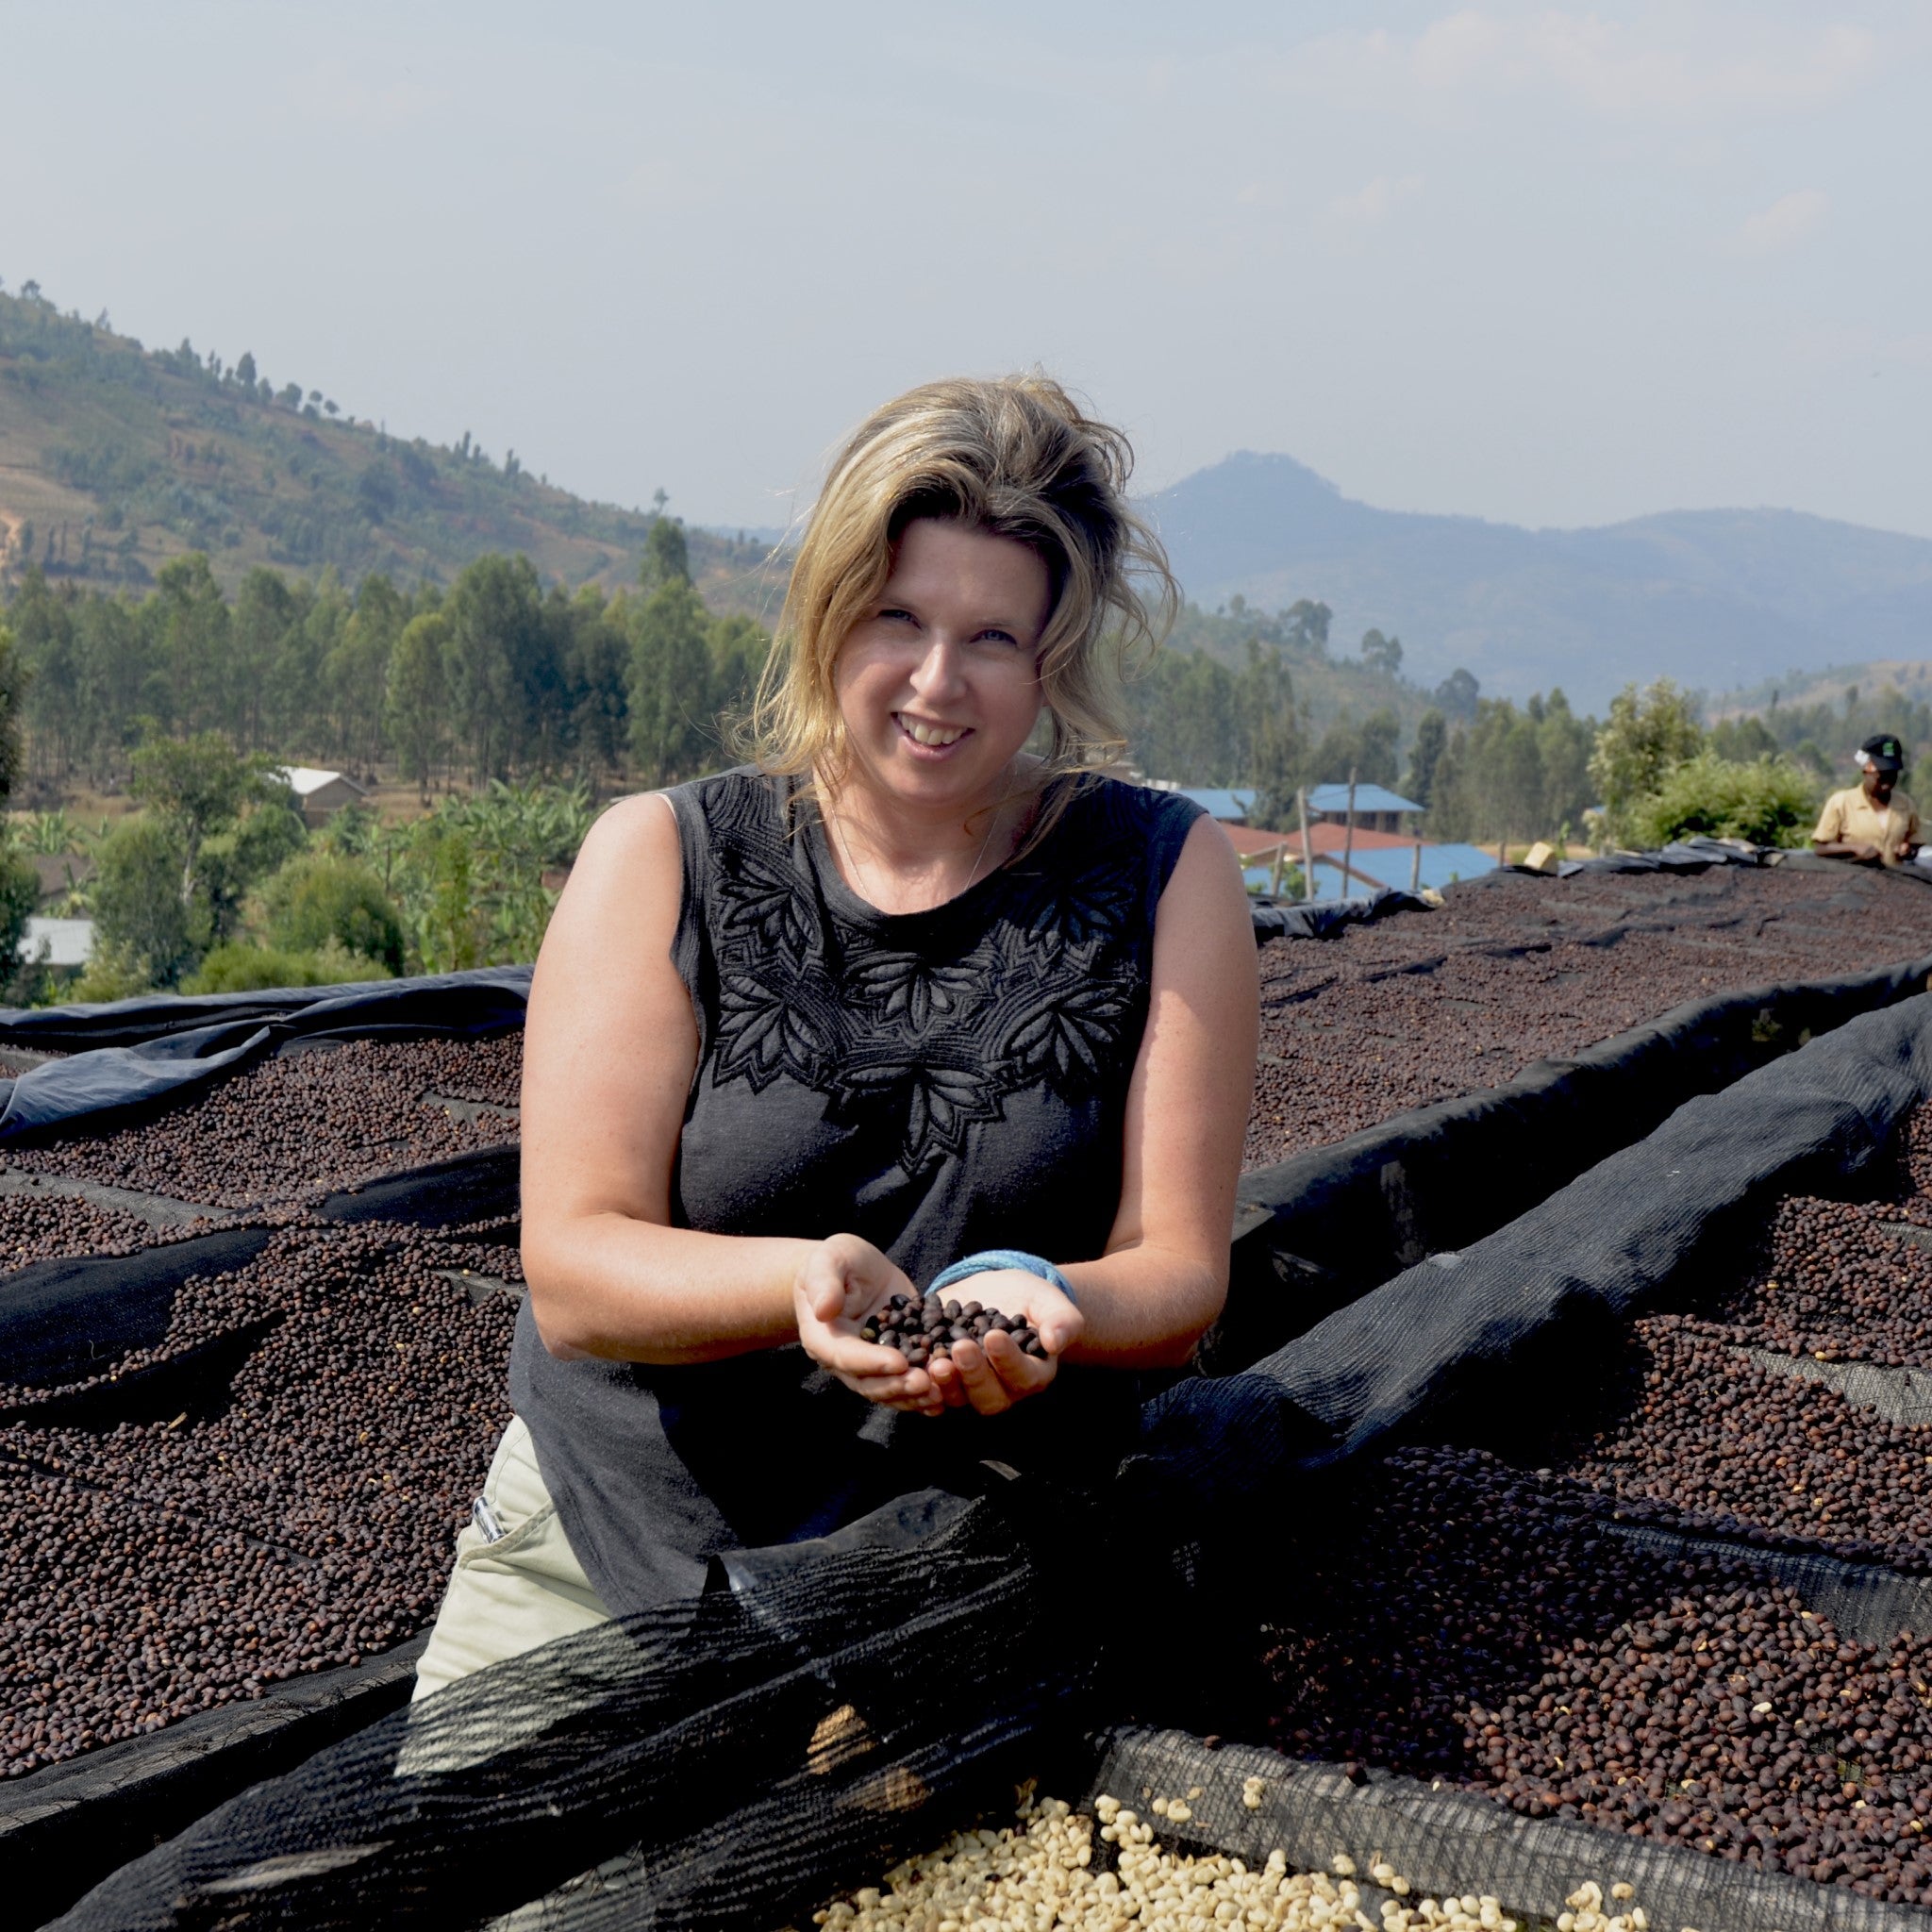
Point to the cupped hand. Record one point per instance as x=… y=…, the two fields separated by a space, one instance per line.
x=993 y=1374
x=839 y=1284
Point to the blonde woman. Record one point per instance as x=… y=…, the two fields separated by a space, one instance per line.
x=896 y=996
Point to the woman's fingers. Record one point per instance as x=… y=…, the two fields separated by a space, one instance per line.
x=995 y=1374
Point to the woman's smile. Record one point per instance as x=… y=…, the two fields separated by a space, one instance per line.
x=928 y=737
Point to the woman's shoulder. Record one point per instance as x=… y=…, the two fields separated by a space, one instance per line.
x=739 y=789
x=1118 y=809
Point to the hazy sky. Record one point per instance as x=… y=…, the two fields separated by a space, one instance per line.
x=1544 y=265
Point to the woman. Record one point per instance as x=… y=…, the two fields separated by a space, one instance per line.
x=901 y=992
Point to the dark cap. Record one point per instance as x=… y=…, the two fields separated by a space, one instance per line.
x=1884 y=751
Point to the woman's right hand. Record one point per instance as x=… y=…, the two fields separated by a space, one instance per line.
x=840 y=1282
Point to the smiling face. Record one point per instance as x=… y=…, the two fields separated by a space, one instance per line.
x=938 y=684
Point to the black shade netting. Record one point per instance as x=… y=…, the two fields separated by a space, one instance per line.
x=142 y=1052
x=1546 y=1294
x=742 y=1756
x=727 y=1754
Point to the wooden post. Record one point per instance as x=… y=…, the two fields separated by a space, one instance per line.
x=1274 y=884
x=1415 y=869
x=1348 y=838
x=1301 y=805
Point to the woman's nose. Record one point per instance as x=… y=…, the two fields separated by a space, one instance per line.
x=938 y=673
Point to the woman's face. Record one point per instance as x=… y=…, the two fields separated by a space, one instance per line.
x=938 y=684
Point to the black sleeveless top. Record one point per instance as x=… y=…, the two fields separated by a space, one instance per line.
x=936 y=1082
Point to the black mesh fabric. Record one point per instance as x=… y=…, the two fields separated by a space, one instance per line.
x=1323 y=1228
x=139 y=1053
x=718 y=1758
x=1555 y=1283
x=1445 y=1841
x=1319 y=919
x=735 y=1759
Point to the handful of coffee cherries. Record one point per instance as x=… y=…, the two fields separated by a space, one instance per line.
x=924 y=1328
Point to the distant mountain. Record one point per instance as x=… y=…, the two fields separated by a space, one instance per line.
x=1713 y=598
x=114 y=457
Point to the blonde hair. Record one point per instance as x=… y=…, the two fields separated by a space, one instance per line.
x=1015 y=458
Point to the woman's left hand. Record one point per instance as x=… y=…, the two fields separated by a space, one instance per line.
x=992 y=1376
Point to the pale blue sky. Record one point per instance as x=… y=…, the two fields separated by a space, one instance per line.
x=1546 y=265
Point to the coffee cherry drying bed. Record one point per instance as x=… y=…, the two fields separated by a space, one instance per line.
x=1676 y=1586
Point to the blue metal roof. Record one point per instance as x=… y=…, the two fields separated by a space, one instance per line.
x=1218 y=802
x=1367 y=798
x=1389 y=865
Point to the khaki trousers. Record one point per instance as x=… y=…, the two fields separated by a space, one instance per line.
x=519 y=1591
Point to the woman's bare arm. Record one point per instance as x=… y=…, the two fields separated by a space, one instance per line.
x=609 y=1047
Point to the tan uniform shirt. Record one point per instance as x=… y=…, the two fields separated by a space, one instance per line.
x=1850 y=818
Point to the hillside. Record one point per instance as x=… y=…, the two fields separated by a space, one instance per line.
x=1713 y=598
x=1910 y=678
x=114 y=457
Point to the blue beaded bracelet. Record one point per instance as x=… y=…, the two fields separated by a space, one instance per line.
x=987 y=1259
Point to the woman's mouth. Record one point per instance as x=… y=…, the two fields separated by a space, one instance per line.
x=930 y=737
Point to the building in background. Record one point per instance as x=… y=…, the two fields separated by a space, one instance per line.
x=320 y=795
x=64 y=946
x=1377 y=809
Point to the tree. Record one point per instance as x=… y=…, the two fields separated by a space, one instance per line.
x=140 y=913
x=198 y=786
x=667 y=555
x=1647 y=736
x=1367 y=749
x=739 y=650
x=1457 y=694
x=1382 y=654
x=498 y=660
x=244 y=369
x=267 y=613
x=191 y=633
x=13 y=684
x=417 y=694
x=21 y=982
x=1564 y=742
x=357 y=668
x=670 y=683
x=1742 y=740
x=1431 y=738
x=1307 y=628
x=1277 y=748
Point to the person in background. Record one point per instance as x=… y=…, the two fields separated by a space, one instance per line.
x=1873 y=822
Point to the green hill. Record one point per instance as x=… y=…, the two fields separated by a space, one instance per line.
x=114 y=459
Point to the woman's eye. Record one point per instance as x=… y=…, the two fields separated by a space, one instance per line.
x=896 y=617
x=998 y=637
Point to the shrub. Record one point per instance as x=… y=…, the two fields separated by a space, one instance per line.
x=238 y=968
x=1767 y=801
x=317 y=898
x=112 y=974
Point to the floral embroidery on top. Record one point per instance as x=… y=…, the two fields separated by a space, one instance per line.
x=923 y=1030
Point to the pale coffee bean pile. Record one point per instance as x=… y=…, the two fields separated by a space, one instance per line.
x=1045 y=1870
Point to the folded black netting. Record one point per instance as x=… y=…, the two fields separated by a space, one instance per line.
x=1325 y=1226
x=135 y=1051
x=1316 y=919
x=1561 y=1277
x=719 y=1758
